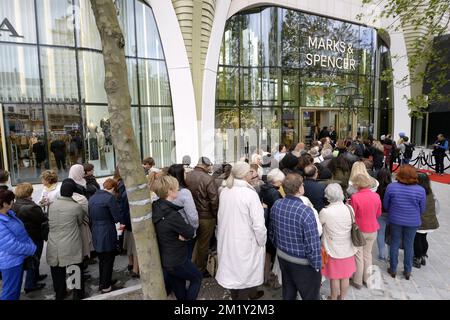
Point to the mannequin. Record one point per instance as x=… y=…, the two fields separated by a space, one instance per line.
x=101 y=147
x=92 y=141
x=105 y=124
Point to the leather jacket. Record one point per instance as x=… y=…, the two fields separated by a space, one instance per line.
x=204 y=191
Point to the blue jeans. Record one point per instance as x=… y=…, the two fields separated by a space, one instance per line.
x=381 y=237
x=178 y=276
x=31 y=278
x=407 y=234
x=12 y=282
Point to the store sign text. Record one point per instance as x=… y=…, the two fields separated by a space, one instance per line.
x=330 y=61
x=7 y=26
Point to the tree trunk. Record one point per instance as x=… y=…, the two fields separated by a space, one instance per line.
x=128 y=158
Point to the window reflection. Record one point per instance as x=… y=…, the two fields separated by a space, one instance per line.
x=58 y=69
x=148 y=42
x=20 y=15
x=158 y=130
x=25 y=141
x=73 y=79
x=154 y=83
x=19 y=74
x=63 y=137
x=55 y=22
x=92 y=77
x=276 y=76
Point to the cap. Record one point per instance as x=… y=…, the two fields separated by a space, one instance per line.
x=401 y=134
x=186 y=160
x=205 y=161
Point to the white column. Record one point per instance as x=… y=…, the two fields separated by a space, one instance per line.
x=402 y=121
x=209 y=78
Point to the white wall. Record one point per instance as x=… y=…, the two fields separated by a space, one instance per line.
x=339 y=9
x=181 y=86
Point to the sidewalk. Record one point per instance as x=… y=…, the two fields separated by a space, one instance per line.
x=429 y=282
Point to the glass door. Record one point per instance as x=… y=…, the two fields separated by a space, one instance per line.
x=308 y=126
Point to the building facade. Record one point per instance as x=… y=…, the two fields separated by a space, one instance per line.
x=215 y=78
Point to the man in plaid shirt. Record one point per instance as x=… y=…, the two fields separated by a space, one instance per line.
x=293 y=231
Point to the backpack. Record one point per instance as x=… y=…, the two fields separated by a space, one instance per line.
x=409 y=148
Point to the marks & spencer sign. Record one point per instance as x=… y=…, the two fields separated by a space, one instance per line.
x=333 y=54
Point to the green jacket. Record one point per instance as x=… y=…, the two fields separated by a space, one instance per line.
x=429 y=219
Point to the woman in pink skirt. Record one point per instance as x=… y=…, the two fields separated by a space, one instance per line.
x=337 y=242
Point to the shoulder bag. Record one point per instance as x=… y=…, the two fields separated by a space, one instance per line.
x=357 y=236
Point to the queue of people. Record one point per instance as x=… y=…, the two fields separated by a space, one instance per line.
x=289 y=216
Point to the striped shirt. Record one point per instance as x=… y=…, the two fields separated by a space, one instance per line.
x=405 y=204
x=293 y=230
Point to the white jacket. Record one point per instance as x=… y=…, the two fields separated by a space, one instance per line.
x=241 y=237
x=337 y=225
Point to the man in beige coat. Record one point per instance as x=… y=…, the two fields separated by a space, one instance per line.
x=64 y=246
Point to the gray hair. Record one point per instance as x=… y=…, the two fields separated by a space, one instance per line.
x=239 y=171
x=275 y=175
x=334 y=193
x=327 y=152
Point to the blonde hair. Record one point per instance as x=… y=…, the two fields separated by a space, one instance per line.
x=23 y=190
x=50 y=176
x=361 y=181
x=377 y=145
x=359 y=167
x=239 y=171
x=162 y=184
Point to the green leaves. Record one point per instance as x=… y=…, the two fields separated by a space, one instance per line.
x=429 y=19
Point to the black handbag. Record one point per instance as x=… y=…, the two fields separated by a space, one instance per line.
x=357 y=236
x=388 y=236
x=45 y=229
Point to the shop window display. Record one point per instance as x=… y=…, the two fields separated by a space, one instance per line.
x=52 y=94
x=98 y=140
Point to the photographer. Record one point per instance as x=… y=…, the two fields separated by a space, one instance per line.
x=439 y=149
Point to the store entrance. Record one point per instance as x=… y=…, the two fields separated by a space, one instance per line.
x=313 y=121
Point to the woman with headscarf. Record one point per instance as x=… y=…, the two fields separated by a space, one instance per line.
x=76 y=173
x=241 y=236
x=64 y=247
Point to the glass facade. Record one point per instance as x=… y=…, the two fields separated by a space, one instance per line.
x=55 y=111
x=278 y=75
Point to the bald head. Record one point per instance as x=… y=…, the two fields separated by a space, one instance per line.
x=299 y=147
x=310 y=172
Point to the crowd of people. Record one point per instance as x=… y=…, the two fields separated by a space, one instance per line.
x=281 y=219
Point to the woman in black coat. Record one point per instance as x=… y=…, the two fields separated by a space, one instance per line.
x=33 y=218
x=105 y=213
x=172 y=233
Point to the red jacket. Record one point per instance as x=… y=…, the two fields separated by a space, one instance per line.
x=367 y=207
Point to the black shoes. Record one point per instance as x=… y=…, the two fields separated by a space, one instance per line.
x=407 y=275
x=42 y=277
x=423 y=261
x=417 y=262
x=39 y=286
x=392 y=273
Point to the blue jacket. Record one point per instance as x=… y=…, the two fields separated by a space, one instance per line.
x=15 y=244
x=104 y=213
x=404 y=204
